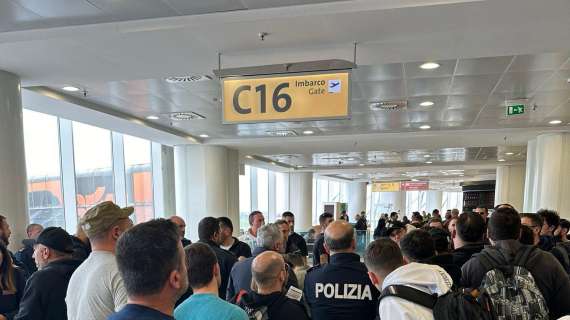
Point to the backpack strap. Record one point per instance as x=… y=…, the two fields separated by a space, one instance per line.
x=488 y=261
x=410 y=294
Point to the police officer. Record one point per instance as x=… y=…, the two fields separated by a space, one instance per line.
x=340 y=289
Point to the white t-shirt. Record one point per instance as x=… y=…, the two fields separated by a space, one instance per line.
x=96 y=289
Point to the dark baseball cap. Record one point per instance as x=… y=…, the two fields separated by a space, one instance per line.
x=56 y=238
x=391 y=226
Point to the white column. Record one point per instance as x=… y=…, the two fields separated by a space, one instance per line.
x=509 y=187
x=13 y=181
x=549 y=178
x=164 y=191
x=434 y=200
x=300 y=199
x=399 y=201
x=529 y=186
x=207 y=183
x=356 y=198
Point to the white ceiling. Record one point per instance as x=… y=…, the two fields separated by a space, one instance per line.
x=489 y=51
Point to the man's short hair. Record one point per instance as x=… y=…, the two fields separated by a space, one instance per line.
x=252 y=216
x=267 y=276
x=383 y=255
x=417 y=245
x=280 y=222
x=32 y=226
x=207 y=228
x=440 y=239
x=324 y=216
x=504 y=224
x=435 y=211
x=287 y=214
x=225 y=222
x=146 y=255
x=268 y=235
x=551 y=217
x=342 y=243
x=534 y=217
x=470 y=227
x=200 y=259
x=564 y=224
x=483 y=207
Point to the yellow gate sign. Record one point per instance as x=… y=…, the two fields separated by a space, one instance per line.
x=311 y=96
x=385 y=186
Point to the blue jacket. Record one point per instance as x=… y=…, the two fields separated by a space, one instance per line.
x=341 y=290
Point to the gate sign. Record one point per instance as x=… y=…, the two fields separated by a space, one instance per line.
x=298 y=97
x=415 y=185
x=385 y=186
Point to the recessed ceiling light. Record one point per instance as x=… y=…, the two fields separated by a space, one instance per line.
x=361 y=174
x=350 y=159
x=430 y=65
x=249 y=157
x=71 y=88
x=300 y=166
x=425 y=127
x=427 y=104
x=427 y=156
x=308 y=132
x=152 y=117
x=203 y=135
x=429 y=162
x=501 y=160
x=415 y=180
x=273 y=163
x=509 y=153
x=555 y=122
x=362 y=164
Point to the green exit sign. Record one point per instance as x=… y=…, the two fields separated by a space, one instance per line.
x=515 y=109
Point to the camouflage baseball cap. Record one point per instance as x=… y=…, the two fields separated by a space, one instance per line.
x=102 y=217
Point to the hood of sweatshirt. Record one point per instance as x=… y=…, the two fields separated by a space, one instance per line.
x=428 y=278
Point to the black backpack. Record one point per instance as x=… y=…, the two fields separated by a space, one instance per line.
x=454 y=305
x=511 y=288
x=243 y=300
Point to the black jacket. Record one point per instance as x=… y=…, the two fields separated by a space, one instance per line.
x=550 y=277
x=185 y=242
x=319 y=249
x=446 y=262
x=44 y=296
x=10 y=303
x=297 y=244
x=240 y=249
x=279 y=306
x=240 y=277
x=463 y=254
x=24 y=256
x=226 y=260
x=341 y=290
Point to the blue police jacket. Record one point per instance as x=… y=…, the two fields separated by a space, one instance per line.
x=341 y=290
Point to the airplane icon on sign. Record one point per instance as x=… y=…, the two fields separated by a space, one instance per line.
x=334 y=86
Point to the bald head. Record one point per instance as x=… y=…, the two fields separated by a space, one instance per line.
x=180 y=223
x=339 y=237
x=267 y=270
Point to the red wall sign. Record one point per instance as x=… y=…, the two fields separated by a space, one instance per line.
x=415 y=185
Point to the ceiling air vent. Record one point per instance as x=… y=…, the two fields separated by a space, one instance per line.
x=281 y=133
x=395 y=105
x=186 y=79
x=185 y=116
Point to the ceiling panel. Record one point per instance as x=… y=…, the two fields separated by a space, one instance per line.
x=480 y=66
x=428 y=86
x=474 y=85
x=539 y=62
x=523 y=83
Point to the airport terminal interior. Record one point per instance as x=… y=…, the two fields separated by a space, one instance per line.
x=377 y=136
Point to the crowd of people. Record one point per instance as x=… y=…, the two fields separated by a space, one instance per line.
x=472 y=265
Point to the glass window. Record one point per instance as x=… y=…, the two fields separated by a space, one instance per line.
x=452 y=200
x=41 y=142
x=281 y=193
x=416 y=201
x=263 y=191
x=245 y=198
x=93 y=166
x=138 y=177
